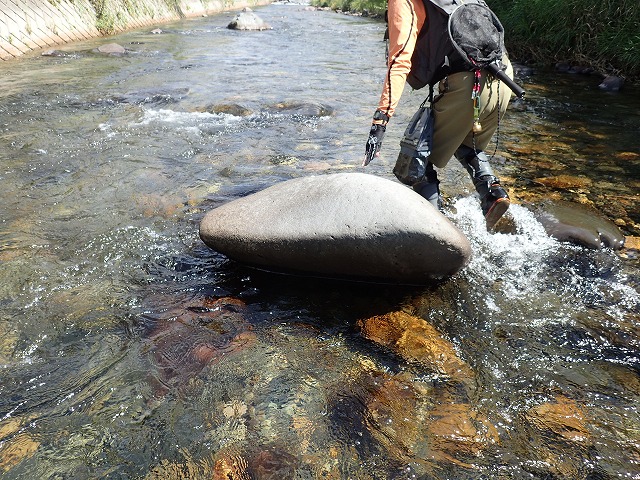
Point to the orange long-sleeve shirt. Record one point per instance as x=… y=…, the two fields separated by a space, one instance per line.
x=406 y=18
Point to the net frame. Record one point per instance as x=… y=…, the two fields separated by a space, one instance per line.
x=469 y=26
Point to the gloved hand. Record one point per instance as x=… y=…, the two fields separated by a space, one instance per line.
x=374 y=142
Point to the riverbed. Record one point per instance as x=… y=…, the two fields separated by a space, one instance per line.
x=128 y=349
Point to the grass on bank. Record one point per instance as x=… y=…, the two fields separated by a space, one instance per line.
x=111 y=15
x=603 y=34
x=373 y=7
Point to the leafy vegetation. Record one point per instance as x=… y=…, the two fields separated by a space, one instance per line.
x=375 y=7
x=603 y=34
x=600 y=33
x=111 y=14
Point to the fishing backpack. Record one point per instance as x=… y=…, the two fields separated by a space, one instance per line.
x=458 y=35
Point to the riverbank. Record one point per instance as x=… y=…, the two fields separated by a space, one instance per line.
x=30 y=25
x=598 y=37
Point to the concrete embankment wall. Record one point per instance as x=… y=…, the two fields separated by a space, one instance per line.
x=28 y=25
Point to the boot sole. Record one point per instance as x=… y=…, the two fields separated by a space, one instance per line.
x=496 y=212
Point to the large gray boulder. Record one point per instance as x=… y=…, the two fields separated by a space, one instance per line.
x=351 y=225
x=248 y=20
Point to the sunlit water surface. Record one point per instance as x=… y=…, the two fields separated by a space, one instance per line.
x=115 y=360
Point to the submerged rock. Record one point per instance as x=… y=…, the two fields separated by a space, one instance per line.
x=339 y=225
x=459 y=433
x=231 y=466
x=611 y=83
x=558 y=439
x=392 y=409
x=234 y=109
x=423 y=428
x=16 y=449
x=301 y=109
x=632 y=243
x=563 y=417
x=573 y=223
x=112 y=49
x=564 y=181
x=416 y=340
x=247 y=20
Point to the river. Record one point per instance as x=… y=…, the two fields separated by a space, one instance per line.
x=128 y=349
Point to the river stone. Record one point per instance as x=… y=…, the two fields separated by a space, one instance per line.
x=112 y=49
x=248 y=20
x=417 y=341
x=562 y=416
x=301 y=109
x=611 y=83
x=570 y=222
x=339 y=225
x=55 y=53
x=185 y=339
x=234 y=109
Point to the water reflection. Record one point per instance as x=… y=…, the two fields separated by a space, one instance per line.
x=130 y=350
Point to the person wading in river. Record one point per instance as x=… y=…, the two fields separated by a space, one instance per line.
x=465 y=113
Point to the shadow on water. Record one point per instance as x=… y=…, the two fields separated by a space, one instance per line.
x=128 y=349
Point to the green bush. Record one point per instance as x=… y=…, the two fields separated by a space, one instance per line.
x=375 y=7
x=111 y=15
x=603 y=34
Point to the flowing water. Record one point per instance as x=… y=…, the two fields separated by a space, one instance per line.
x=128 y=349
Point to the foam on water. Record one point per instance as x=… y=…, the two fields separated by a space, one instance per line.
x=533 y=267
x=185 y=119
x=513 y=258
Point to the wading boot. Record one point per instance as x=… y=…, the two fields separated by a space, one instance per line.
x=429 y=187
x=494 y=199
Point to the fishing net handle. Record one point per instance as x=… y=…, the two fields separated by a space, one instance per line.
x=496 y=70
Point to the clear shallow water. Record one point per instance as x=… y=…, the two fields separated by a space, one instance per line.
x=117 y=361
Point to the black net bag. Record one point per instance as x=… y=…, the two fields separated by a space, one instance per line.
x=477 y=34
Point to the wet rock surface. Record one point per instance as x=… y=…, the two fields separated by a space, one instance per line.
x=292 y=107
x=234 y=109
x=344 y=225
x=577 y=224
x=248 y=20
x=611 y=83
